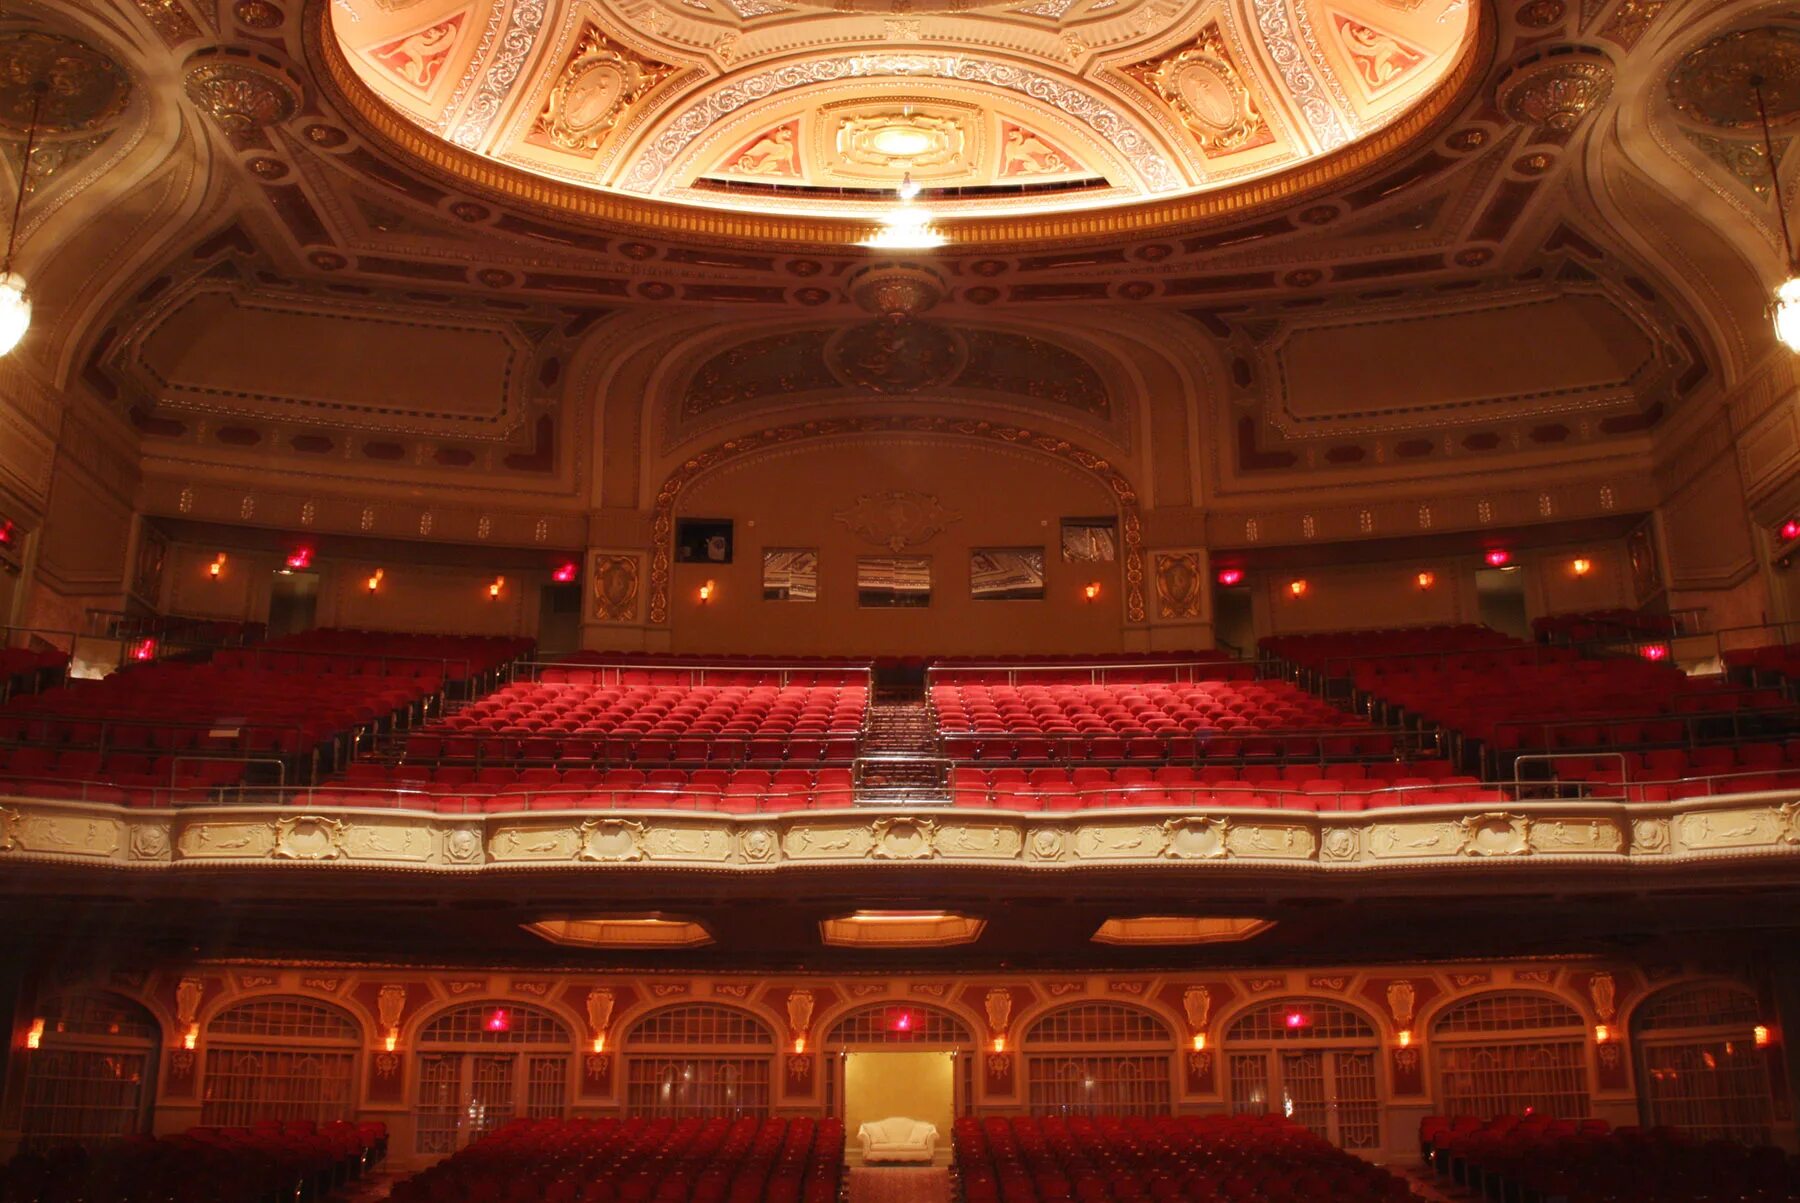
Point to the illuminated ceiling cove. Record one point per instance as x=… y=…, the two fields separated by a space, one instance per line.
x=824 y=107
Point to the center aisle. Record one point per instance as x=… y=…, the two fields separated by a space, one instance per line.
x=891 y=1184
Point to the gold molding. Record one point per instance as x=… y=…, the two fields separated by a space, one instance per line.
x=343 y=89
x=1577 y=833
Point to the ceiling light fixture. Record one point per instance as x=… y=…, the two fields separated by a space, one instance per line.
x=15 y=302
x=907 y=228
x=1784 y=310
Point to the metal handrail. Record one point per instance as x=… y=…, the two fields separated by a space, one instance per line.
x=533 y=670
x=1187 y=671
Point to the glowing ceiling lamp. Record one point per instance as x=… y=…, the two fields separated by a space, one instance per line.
x=15 y=302
x=907 y=228
x=1784 y=310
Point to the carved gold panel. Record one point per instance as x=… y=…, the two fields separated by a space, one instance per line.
x=1180 y=584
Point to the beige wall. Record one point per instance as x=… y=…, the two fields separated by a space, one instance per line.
x=1001 y=498
x=881 y=1085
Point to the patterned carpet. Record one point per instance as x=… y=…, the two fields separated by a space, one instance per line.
x=892 y=1184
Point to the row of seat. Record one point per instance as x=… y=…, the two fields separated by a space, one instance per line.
x=641 y=1160
x=1586 y=626
x=1533 y=1158
x=450 y=657
x=1132 y=709
x=1190 y=1158
x=291 y=1161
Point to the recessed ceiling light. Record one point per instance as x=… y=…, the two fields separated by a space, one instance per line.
x=1178 y=929
x=621 y=931
x=900 y=929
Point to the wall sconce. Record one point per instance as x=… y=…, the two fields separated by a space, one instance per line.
x=1091 y=590
x=1602 y=1033
x=1654 y=651
x=1498 y=558
x=1230 y=576
x=1199 y=1042
x=1297 y=588
x=565 y=572
x=706 y=592
x=375 y=581
x=144 y=649
x=300 y=557
x=999 y=1044
x=1759 y=1035
x=1789 y=529
x=799 y=1045
x=34 y=1036
x=191 y=1038
x=393 y=1039
x=8 y=533
x=1581 y=565
x=216 y=569
x=494 y=589
x=1405 y=1037
x=600 y=1043
x=1426 y=579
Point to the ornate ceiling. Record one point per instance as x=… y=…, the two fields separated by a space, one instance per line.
x=990 y=106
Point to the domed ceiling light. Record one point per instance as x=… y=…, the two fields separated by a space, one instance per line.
x=15 y=302
x=1784 y=311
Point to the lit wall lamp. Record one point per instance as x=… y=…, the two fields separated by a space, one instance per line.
x=1405 y=1037
x=1602 y=1033
x=1499 y=557
x=375 y=580
x=1000 y=1044
x=1654 y=651
x=216 y=569
x=1091 y=590
x=1581 y=565
x=1199 y=1042
x=1759 y=1035
x=600 y=1043
x=565 y=572
x=498 y=584
x=393 y=1039
x=300 y=557
x=1790 y=529
x=1230 y=576
x=1426 y=579
x=1298 y=588
x=799 y=1045
x=706 y=592
x=34 y=1035
x=191 y=1038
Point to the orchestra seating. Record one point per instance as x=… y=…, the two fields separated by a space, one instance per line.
x=1216 y=1157
x=1534 y=1159
x=456 y=662
x=1773 y=665
x=1588 y=626
x=292 y=1161
x=641 y=1160
x=647 y=716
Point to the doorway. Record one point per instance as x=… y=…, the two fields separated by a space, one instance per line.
x=293 y=602
x=1500 y=598
x=1330 y=1092
x=559 y=620
x=918 y=1085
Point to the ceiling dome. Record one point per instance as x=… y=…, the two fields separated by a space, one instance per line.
x=822 y=108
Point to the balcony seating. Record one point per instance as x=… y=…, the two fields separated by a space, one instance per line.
x=1534 y=1159
x=639 y=1160
x=1234 y=1157
x=461 y=789
x=641 y=719
x=446 y=658
x=1351 y=786
x=290 y=1160
x=1149 y=721
x=1779 y=662
x=1586 y=626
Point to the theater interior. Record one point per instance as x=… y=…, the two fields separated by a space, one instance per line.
x=899 y=601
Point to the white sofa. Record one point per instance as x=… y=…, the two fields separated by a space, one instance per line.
x=898 y=1139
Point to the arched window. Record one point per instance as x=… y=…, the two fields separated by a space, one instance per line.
x=698 y=1059
x=1505 y=1052
x=280 y=1058
x=1699 y=1065
x=482 y=1063
x=89 y=1078
x=1093 y=1058
x=1309 y=1059
x=892 y=1026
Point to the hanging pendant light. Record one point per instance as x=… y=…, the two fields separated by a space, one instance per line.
x=1784 y=310
x=15 y=302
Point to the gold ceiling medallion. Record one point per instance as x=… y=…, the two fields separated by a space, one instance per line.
x=599 y=82
x=1711 y=85
x=1205 y=88
x=902 y=140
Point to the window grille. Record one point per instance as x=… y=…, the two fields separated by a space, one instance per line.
x=1099 y=1085
x=440 y=1102
x=1358 y=1101
x=1713 y=1089
x=1708 y=1005
x=900 y=1023
x=474 y=1023
x=1318 y=1020
x=546 y=1087
x=244 y=1085
x=1249 y=1083
x=98 y=1015
x=82 y=1095
x=683 y=1086
x=286 y=1018
x=1504 y=1011
x=1097 y=1023
x=716 y=1027
x=1548 y=1077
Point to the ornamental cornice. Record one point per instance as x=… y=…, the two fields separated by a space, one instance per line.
x=1580 y=834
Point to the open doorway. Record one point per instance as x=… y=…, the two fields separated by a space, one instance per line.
x=1234 y=620
x=559 y=620
x=293 y=602
x=1500 y=597
x=914 y=1084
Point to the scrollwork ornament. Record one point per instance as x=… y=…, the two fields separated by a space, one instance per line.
x=1555 y=95
x=240 y=97
x=309 y=838
x=610 y=840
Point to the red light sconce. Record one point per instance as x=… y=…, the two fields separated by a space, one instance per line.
x=1499 y=557
x=1230 y=576
x=566 y=572
x=300 y=557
